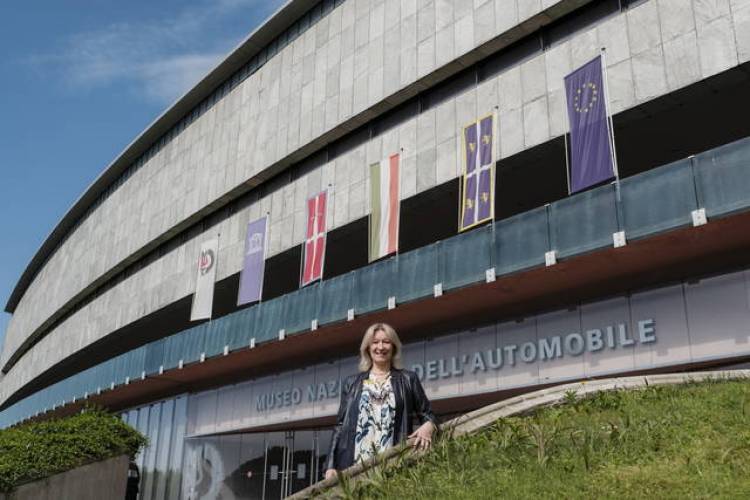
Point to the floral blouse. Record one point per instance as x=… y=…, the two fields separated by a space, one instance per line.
x=377 y=410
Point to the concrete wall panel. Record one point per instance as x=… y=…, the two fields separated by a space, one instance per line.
x=718 y=315
x=667 y=307
x=599 y=317
x=512 y=372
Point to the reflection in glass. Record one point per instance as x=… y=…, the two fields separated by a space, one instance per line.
x=276 y=456
x=323 y=442
x=161 y=471
x=142 y=427
x=230 y=447
x=160 y=463
x=249 y=475
x=205 y=471
x=176 y=449
x=301 y=470
x=252 y=466
x=147 y=483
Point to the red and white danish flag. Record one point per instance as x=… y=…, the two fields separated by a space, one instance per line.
x=315 y=238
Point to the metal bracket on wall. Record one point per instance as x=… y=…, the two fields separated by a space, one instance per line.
x=618 y=239
x=490 y=275
x=550 y=258
x=699 y=217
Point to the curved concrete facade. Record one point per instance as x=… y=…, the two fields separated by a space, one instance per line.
x=646 y=275
x=361 y=59
x=237 y=140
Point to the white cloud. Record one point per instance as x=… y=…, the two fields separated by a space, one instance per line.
x=160 y=59
x=169 y=78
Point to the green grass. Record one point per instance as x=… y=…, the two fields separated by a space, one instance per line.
x=690 y=441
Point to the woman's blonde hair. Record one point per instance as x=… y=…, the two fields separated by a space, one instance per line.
x=365 y=361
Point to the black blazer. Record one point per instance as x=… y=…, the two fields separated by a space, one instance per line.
x=411 y=402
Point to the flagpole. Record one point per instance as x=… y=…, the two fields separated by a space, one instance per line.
x=328 y=191
x=300 y=282
x=565 y=138
x=477 y=170
x=216 y=272
x=398 y=233
x=495 y=158
x=461 y=147
x=610 y=122
x=494 y=172
x=265 y=253
x=611 y=126
x=611 y=129
x=369 y=220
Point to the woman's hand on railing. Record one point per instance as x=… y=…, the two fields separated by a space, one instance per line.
x=421 y=439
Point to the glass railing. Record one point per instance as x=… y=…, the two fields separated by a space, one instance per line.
x=643 y=205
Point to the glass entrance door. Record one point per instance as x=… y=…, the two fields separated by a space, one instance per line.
x=276 y=465
x=302 y=472
x=322 y=445
x=256 y=466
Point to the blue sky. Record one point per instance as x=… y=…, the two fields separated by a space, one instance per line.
x=80 y=80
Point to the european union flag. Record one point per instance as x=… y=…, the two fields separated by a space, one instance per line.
x=591 y=160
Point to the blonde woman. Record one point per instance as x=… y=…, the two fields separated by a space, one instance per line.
x=379 y=404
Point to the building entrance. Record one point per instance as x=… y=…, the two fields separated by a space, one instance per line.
x=262 y=466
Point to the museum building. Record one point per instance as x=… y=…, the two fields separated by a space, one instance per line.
x=644 y=272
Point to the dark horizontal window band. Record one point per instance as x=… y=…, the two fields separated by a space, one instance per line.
x=697 y=181
x=458 y=76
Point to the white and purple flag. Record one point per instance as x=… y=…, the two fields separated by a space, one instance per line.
x=591 y=159
x=478 y=197
x=253 y=265
x=203 y=298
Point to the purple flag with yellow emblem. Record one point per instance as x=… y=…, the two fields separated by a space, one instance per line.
x=591 y=160
x=478 y=185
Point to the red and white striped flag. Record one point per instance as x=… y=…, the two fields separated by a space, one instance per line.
x=384 y=217
x=315 y=238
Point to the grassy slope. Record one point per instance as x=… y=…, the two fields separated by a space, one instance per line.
x=662 y=442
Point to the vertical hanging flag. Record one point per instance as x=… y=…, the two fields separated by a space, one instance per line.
x=203 y=298
x=315 y=239
x=478 y=193
x=384 y=218
x=590 y=140
x=253 y=267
